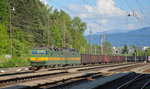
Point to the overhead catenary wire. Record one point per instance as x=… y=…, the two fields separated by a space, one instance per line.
x=68 y=10
x=85 y=1
x=141 y=10
x=98 y=23
x=72 y=12
x=142 y=6
x=134 y=14
x=88 y=20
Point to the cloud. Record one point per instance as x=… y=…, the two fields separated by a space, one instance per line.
x=102 y=21
x=130 y=26
x=104 y=7
x=73 y=7
x=105 y=16
x=44 y=2
x=83 y=15
x=108 y=8
x=89 y=8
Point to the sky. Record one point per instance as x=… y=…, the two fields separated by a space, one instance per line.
x=107 y=15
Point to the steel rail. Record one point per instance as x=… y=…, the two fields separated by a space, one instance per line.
x=127 y=83
x=61 y=68
x=144 y=86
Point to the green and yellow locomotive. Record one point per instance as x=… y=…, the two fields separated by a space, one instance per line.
x=45 y=57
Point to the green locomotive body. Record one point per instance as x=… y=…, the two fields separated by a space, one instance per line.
x=43 y=57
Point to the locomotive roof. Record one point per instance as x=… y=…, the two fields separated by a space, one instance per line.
x=46 y=48
x=56 y=49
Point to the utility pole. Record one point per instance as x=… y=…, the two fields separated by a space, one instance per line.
x=135 y=55
x=90 y=42
x=48 y=32
x=11 y=33
x=104 y=45
x=126 y=57
x=100 y=24
x=104 y=37
x=95 y=45
x=101 y=37
x=64 y=41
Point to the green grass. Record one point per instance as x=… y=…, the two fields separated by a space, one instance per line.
x=3 y=59
x=15 y=62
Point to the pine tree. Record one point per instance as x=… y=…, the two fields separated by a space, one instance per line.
x=4 y=15
x=4 y=40
x=125 y=49
x=107 y=48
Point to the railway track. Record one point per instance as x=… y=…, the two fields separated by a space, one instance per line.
x=75 y=81
x=27 y=77
x=141 y=80
x=74 y=84
x=146 y=85
x=131 y=81
x=56 y=78
x=127 y=82
x=37 y=76
x=60 y=68
x=13 y=79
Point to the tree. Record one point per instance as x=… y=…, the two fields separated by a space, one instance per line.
x=4 y=40
x=125 y=49
x=78 y=28
x=139 y=52
x=107 y=48
x=134 y=50
x=147 y=52
x=4 y=15
x=133 y=46
x=34 y=24
x=97 y=49
x=56 y=36
x=21 y=48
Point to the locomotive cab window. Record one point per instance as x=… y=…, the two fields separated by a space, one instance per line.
x=34 y=52
x=41 y=52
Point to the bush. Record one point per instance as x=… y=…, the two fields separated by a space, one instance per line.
x=15 y=62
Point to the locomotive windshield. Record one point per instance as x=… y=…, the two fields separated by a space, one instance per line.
x=42 y=52
x=34 y=52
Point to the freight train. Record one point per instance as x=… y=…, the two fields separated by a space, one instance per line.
x=48 y=57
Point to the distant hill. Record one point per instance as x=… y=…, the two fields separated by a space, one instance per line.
x=138 y=37
x=112 y=31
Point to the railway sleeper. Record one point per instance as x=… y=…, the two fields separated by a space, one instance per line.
x=67 y=82
x=26 y=78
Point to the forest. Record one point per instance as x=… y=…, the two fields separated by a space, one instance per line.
x=27 y=24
